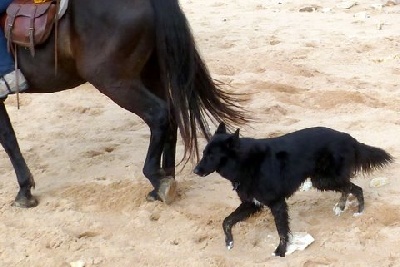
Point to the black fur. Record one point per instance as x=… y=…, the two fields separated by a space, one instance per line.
x=268 y=171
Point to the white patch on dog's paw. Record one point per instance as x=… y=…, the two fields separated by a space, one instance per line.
x=257 y=203
x=357 y=214
x=230 y=246
x=306 y=186
x=337 y=210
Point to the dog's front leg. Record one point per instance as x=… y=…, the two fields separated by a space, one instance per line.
x=245 y=210
x=279 y=210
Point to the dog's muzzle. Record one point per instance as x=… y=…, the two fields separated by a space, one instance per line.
x=199 y=171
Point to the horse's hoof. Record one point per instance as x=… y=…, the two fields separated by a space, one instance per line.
x=24 y=202
x=152 y=196
x=167 y=190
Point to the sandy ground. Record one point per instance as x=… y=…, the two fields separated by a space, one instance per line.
x=327 y=66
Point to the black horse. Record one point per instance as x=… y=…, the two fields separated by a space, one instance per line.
x=142 y=55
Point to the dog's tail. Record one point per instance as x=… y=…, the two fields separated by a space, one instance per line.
x=369 y=158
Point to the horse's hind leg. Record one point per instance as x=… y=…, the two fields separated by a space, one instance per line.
x=155 y=114
x=168 y=162
x=136 y=98
x=167 y=189
x=24 y=197
x=151 y=79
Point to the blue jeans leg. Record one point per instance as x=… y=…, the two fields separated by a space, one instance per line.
x=6 y=59
x=4 y=4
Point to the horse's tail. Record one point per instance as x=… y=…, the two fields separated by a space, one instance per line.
x=192 y=92
x=369 y=158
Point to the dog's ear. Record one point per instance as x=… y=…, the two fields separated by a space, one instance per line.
x=236 y=134
x=234 y=141
x=221 y=128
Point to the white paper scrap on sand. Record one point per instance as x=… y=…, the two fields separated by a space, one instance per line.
x=378 y=182
x=77 y=264
x=361 y=15
x=346 y=4
x=299 y=241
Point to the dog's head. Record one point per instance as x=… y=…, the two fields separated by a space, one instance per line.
x=219 y=149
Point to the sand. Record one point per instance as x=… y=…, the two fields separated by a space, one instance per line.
x=301 y=64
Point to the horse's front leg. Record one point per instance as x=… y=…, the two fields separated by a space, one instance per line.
x=8 y=140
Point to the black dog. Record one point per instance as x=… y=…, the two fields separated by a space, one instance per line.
x=266 y=171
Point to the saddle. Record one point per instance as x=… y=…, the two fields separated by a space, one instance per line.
x=29 y=22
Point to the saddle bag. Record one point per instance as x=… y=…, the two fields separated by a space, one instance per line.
x=29 y=24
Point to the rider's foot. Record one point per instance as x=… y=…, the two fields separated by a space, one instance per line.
x=9 y=85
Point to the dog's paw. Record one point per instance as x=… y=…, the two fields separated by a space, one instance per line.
x=337 y=210
x=357 y=214
x=280 y=251
x=229 y=245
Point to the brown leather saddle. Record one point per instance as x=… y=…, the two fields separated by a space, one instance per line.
x=28 y=24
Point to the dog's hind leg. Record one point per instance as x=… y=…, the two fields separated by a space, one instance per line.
x=342 y=200
x=245 y=210
x=341 y=205
x=358 y=193
x=279 y=210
